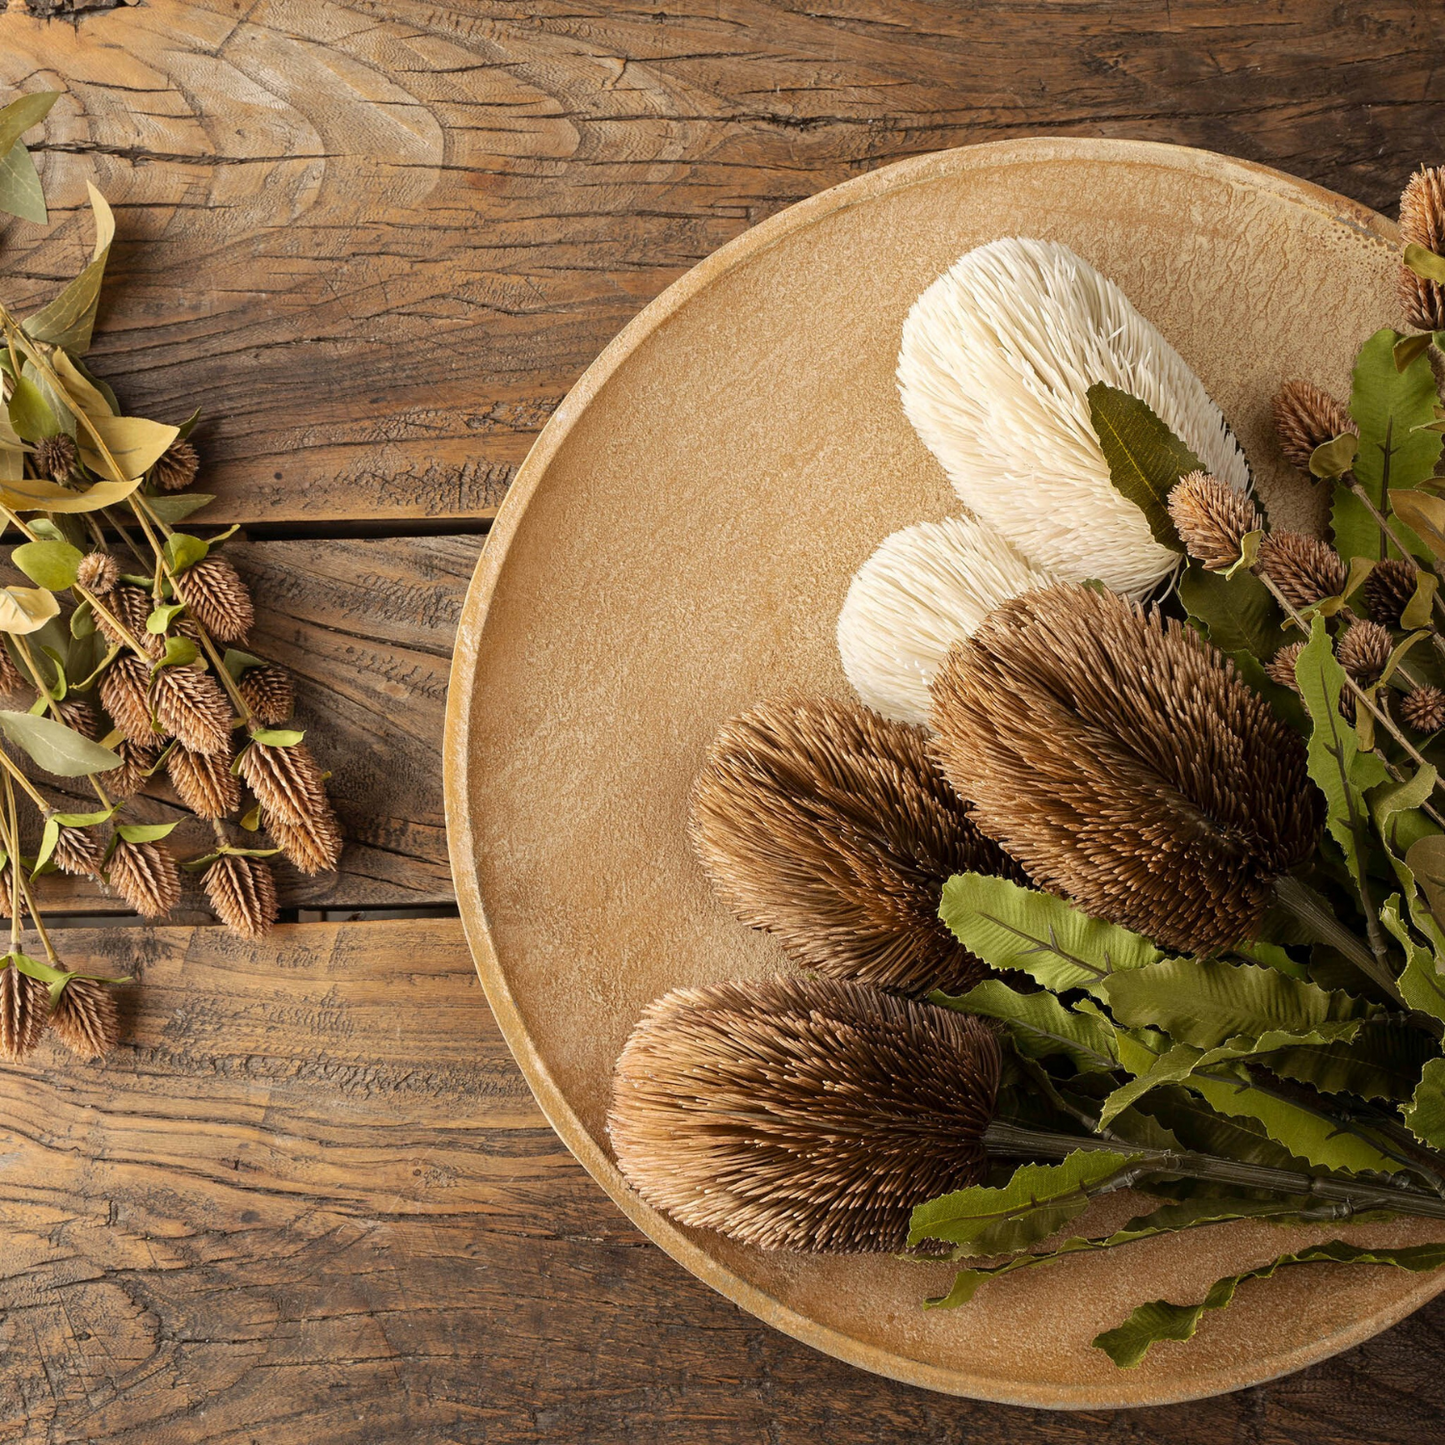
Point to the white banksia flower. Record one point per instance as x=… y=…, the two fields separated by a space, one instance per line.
x=996 y=360
x=924 y=589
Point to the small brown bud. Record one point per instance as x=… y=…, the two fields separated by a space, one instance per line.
x=131 y=607
x=1389 y=588
x=243 y=894
x=55 y=457
x=217 y=598
x=98 y=572
x=12 y=680
x=1364 y=650
x=190 y=705
x=86 y=1019
x=136 y=762
x=269 y=693
x=78 y=851
x=78 y=715
x=1422 y=223
x=24 y=1011
x=146 y=876
x=1305 y=569
x=177 y=467
x=1280 y=667
x=1423 y=709
x=204 y=781
x=1305 y=418
x=1212 y=519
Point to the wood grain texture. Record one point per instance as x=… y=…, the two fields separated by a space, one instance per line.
x=310 y=1198
x=378 y=242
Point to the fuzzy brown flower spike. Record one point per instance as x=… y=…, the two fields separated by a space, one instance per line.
x=1304 y=568
x=1212 y=519
x=146 y=876
x=86 y=1019
x=217 y=598
x=55 y=457
x=24 y=1011
x=269 y=693
x=1423 y=708
x=243 y=893
x=190 y=705
x=1121 y=760
x=1422 y=223
x=12 y=680
x=204 y=781
x=1364 y=651
x=831 y=828
x=1281 y=667
x=78 y=851
x=802 y=1112
x=1305 y=418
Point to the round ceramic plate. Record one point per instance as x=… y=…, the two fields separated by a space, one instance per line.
x=676 y=548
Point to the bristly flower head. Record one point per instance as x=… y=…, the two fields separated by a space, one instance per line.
x=24 y=1012
x=1212 y=520
x=190 y=705
x=1364 y=651
x=269 y=693
x=146 y=876
x=86 y=1019
x=217 y=598
x=801 y=1113
x=1305 y=569
x=1389 y=588
x=177 y=468
x=831 y=828
x=55 y=457
x=997 y=358
x=1423 y=708
x=1422 y=223
x=1305 y=417
x=243 y=893
x=1121 y=760
x=98 y=572
x=1281 y=667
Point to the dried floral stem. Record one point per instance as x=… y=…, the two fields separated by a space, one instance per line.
x=20 y=884
x=12 y=770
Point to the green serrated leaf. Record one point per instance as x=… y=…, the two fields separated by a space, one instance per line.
x=1422 y=514
x=48 y=564
x=1425 y=1115
x=1381 y=1061
x=1407 y=348
x=1145 y=458
x=55 y=747
x=1236 y=613
x=1039 y=1024
x=1008 y=926
x=1422 y=984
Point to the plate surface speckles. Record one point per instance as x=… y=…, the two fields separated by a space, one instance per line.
x=677 y=547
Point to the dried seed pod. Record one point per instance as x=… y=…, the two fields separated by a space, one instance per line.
x=312 y=843
x=78 y=714
x=124 y=694
x=286 y=781
x=55 y=457
x=1305 y=418
x=1422 y=223
x=1212 y=519
x=136 y=762
x=831 y=828
x=98 y=572
x=1389 y=588
x=131 y=607
x=190 y=705
x=243 y=893
x=85 y=1018
x=1423 y=708
x=146 y=876
x=204 y=781
x=217 y=598
x=268 y=692
x=79 y=851
x=1364 y=650
x=801 y=1112
x=9 y=893
x=1281 y=667
x=24 y=1010
x=12 y=680
x=1305 y=569
x=177 y=467
x=1118 y=756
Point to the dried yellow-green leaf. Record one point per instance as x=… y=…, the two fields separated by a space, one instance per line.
x=26 y=609
x=134 y=445
x=69 y=319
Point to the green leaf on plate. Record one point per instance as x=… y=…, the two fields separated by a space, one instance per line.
x=1039 y=1024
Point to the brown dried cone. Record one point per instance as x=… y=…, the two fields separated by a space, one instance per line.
x=204 y=782
x=177 y=467
x=801 y=1112
x=98 y=572
x=1122 y=761
x=1212 y=519
x=12 y=680
x=131 y=607
x=243 y=893
x=55 y=457
x=830 y=827
x=78 y=714
x=1305 y=569
x=1422 y=223
x=1364 y=650
x=146 y=876
x=190 y=705
x=1389 y=588
x=1423 y=708
x=313 y=844
x=85 y=1018
x=268 y=692
x=8 y=892
x=136 y=761
x=78 y=851
x=24 y=1010
x=217 y=598
x=124 y=694
x=1305 y=418
x=286 y=781
x=1281 y=667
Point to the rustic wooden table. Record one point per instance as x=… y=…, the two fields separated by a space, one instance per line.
x=310 y=1198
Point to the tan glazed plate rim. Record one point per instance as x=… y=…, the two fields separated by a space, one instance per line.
x=1119 y=1391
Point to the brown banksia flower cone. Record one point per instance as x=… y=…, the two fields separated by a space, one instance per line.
x=85 y=1018
x=124 y=694
x=1389 y=588
x=78 y=715
x=1281 y=667
x=78 y=851
x=55 y=457
x=131 y=607
x=190 y=705
x=1212 y=519
x=313 y=843
x=286 y=781
x=12 y=680
x=24 y=1011
x=242 y=891
x=177 y=467
x=1305 y=569
x=1120 y=758
x=1305 y=417
x=269 y=693
x=136 y=762
x=801 y=1112
x=1423 y=708
x=1364 y=650
x=830 y=827
x=1422 y=223
x=98 y=572
x=146 y=876
x=204 y=781
x=217 y=598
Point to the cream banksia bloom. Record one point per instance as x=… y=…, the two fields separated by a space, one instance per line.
x=997 y=357
x=924 y=589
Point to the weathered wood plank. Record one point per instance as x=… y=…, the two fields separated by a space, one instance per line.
x=379 y=242
x=310 y=1199
x=367 y=628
